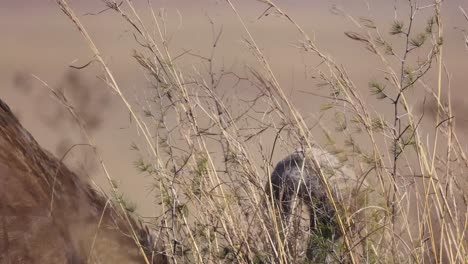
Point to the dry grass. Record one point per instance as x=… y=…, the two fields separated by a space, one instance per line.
x=51 y=215
x=208 y=153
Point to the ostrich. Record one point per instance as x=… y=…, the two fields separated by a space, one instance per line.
x=298 y=176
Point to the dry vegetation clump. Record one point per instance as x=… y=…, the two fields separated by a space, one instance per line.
x=210 y=155
x=48 y=214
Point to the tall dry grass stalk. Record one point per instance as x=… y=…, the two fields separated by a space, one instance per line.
x=209 y=158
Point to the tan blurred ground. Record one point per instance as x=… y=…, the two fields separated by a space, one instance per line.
x=36 y=38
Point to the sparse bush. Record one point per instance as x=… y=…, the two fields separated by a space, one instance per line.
x=209 y=160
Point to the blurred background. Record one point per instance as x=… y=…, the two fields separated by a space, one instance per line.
x=38 y=42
